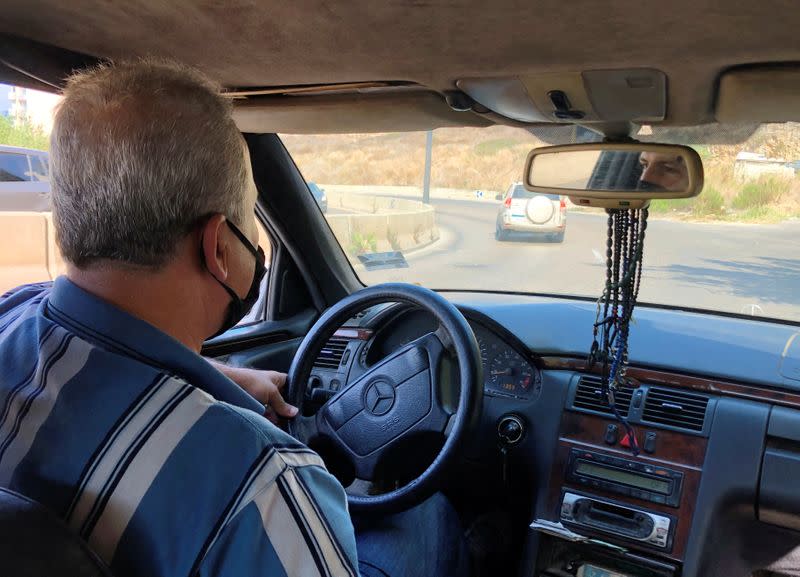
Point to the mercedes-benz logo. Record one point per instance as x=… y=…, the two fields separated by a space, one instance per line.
x=379 y=398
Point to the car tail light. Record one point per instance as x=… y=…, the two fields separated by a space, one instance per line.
x=563 y=204
x=507 y=202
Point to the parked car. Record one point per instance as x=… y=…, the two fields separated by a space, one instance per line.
x=24 y=179
x=530 y=214
x=319 y=196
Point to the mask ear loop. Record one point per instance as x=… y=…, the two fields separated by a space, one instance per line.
x=234 y=297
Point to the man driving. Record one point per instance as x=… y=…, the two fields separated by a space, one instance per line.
x=108 y=414
x=663 y=172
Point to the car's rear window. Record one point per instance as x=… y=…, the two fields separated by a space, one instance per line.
x=521 y=192
x=14 y=168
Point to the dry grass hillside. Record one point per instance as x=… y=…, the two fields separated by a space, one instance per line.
x=490 y=159
x=469 y=158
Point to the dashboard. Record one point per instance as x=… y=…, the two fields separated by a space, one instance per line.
x=713 y=395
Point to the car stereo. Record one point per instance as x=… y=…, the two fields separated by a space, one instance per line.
x=649 y=528
x=625 y=477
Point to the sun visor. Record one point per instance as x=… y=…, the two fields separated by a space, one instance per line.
x=362 y=113
x=763 y=94
x=629 y=95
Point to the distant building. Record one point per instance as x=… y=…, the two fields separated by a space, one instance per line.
x=5 y=99
x=751 y=165
x=14 y=103
x=26 y=105
x=19 y=104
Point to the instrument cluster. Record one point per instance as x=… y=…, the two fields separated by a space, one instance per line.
x=505 y=371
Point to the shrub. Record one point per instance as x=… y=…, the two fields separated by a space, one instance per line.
x=667 y=205
x=363 y=243
x=761 y=192
x=709 y=202
x=391 y=236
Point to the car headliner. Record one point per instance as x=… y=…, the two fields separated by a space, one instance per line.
x=431 y=43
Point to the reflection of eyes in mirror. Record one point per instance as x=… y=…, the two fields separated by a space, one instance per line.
x=663 y=172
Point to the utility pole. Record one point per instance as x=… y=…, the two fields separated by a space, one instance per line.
x=426 y=186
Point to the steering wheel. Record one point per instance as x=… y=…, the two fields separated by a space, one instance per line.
x=397 y=397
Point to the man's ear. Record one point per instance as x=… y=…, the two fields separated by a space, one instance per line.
x=215 y=247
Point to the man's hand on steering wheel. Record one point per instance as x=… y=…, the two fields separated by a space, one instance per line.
x=265 y=386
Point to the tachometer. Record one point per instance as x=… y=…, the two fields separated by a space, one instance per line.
x=512 y=374
x=484 y=348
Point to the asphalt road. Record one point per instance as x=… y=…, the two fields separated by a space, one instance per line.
x=750 y=269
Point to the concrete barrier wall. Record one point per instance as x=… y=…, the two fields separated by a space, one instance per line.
x=29 y=250
x=414 y=193
x=380 y=224
x=30 y=253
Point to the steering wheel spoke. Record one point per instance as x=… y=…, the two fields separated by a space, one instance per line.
x=306 y=427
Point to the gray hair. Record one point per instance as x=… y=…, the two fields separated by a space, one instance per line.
x=141 y=152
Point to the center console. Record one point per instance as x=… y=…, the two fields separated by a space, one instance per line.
x=611 y=513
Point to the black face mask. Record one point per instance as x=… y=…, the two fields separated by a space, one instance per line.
x=239 y=307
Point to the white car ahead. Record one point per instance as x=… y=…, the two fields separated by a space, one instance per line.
x=531 y=215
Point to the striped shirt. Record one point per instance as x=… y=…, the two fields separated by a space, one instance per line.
x=161 y=463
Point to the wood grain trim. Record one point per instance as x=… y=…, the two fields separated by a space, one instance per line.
x=714 y=386
x=672 y=448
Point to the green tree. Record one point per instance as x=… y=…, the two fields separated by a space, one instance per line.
x=26 y=135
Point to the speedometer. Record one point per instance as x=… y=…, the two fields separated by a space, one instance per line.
x=512 y=374
x=506 y=372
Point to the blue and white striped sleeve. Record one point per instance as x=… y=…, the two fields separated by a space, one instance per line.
x=296 y=524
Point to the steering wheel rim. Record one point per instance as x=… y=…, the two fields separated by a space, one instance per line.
x=455 y=334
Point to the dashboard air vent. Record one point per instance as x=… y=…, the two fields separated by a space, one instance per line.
x=675 y=408
x=589 y=396
x=331 y=354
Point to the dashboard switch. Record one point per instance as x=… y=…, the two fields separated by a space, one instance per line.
x=626 y=441
x=612 y=434
x=650 y=443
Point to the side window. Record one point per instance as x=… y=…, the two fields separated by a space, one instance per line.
x=259 y=310
x=14 y=167
x=28 y=251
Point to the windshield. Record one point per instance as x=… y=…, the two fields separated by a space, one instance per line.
x=446 y=210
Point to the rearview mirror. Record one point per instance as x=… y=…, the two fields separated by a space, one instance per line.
x=615 y=175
